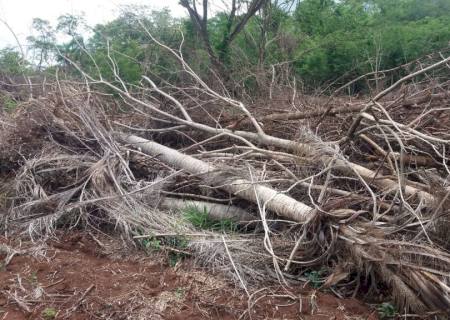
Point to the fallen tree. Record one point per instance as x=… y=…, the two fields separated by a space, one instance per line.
x=250 y=190
x=80 y=160
x=215 y=211
x=318 y=150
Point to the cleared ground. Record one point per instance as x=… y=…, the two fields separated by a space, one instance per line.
x=85 y=276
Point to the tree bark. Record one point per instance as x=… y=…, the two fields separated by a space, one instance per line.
x=275 y=201
x=215 y=211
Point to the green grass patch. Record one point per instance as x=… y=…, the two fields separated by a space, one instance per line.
x=200 y=219
x=49 y=313
x=8 y=103
x=174 y=246
x=152 y=244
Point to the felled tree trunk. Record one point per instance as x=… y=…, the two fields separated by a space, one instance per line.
x=370 y=176
x=273 y=200
x=215 y=211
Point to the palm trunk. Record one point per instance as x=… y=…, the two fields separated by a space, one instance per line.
x=215 y=211
x=273 y=200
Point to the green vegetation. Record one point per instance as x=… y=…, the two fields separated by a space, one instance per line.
x=315 y=277
x=386 y=310
x=151 y=244
x=356 y=37
x=12 y=62
x=201 y=220
x=175 y=245
x=179 y=244
x=323 y=41
x=180 y=293
x=33 y=279
x=49 y=313
x=8 y=104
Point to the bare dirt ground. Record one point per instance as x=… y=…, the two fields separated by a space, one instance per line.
x=82 y=277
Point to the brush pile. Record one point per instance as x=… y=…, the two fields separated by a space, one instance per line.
x=357 y=189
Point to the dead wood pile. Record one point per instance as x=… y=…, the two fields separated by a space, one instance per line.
x=362 y=193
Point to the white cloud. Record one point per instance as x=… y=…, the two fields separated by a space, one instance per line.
x=20 y=13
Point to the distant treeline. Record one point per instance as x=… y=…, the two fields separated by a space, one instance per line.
x=319 y=42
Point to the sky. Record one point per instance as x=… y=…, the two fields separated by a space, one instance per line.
x=19 y=13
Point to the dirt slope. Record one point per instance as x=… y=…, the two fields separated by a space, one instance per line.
x=82 y=278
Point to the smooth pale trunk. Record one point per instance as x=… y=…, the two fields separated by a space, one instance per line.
x=215 y=211
x=348 y=167
x=275 y=201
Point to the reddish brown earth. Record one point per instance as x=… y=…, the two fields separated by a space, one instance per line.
x=78 y=277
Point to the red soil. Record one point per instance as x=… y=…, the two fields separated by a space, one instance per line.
x=77 y=278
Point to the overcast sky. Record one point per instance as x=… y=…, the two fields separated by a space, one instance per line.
x=20 y=13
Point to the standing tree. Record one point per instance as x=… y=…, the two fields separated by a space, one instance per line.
x=237 y=18
x=43 y=44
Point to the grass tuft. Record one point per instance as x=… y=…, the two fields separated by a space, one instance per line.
x=49 y=313
x=200 y=219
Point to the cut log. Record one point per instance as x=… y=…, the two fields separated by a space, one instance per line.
x=384 y=184
x=347 y=167
x=307 y=149
x=275 y=201
x=215 y=211
x=370 y=176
